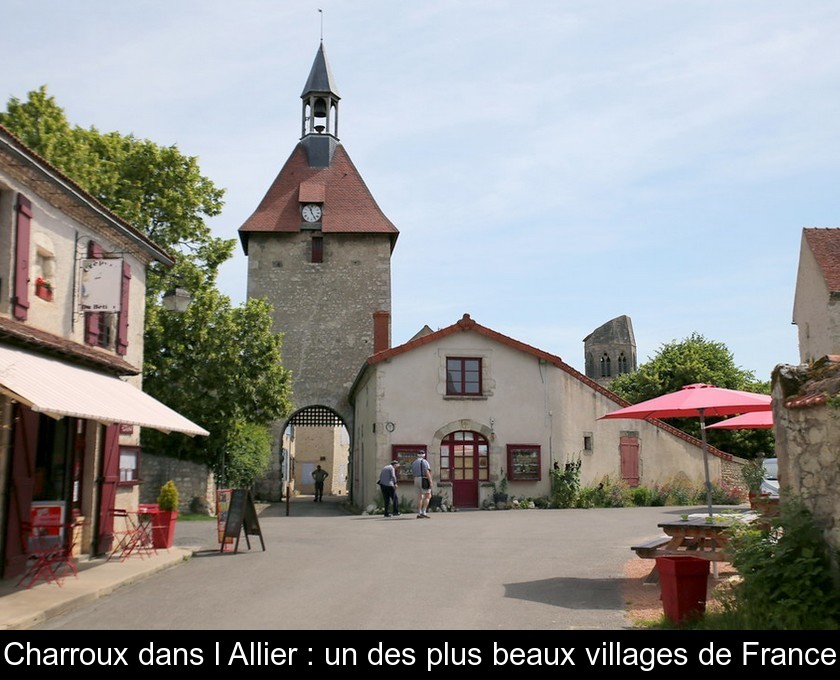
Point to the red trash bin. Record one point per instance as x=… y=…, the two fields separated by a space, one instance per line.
x=683 y=580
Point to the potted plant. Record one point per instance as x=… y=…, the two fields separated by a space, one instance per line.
x=500 y=495
x=753 y=474
x=43 y=289
x=163 y=528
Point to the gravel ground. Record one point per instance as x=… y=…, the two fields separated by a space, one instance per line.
x=642 y=600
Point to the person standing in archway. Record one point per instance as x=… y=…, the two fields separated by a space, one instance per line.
x=319 y=476
x=422 y=483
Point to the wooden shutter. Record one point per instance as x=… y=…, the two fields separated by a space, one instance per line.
x=629 y=455
x=92 y=318
x=108 y=495
x=22 y=241
x=25 y=438
x=122 y=318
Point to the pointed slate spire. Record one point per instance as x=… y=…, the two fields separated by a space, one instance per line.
x=319 y=115
x=320 y=79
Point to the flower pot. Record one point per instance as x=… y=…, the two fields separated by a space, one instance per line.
x=44 y=293
x=163 y=529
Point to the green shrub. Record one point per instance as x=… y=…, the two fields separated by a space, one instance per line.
x=168 y=497
x=641 y=496
x=565 y=485
x=607 y=494
x=788 y=581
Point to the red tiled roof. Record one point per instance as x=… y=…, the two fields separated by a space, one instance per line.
x=349 y=206
x=825 y=245
x=23 y=335
x=823 y=382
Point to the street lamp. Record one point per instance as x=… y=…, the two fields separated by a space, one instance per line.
x=176 y=300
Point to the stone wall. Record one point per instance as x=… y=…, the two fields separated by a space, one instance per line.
x=807 y=429
x=195 y=482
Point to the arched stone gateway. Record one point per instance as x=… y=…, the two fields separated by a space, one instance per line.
x=311 y=436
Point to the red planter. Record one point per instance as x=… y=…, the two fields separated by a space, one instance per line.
x=44 y=293
x=683 y=580
x=163 y=529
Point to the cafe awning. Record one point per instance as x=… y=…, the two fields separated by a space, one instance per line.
x=59 y=389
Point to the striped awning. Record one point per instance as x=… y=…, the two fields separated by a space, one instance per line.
x=59 y=389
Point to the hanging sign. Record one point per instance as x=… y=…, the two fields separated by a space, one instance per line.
x=101 y=285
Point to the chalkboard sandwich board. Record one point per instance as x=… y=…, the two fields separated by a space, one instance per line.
x=242 y=515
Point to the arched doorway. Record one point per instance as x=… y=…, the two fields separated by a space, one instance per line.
x=464 y=461
x=315 y=436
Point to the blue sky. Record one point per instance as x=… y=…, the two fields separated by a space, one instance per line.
x=550 y=164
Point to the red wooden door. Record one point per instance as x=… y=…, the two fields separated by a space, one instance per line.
x=464 y=463
x=629 y=456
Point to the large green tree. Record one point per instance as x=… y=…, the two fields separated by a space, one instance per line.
x=217 y=365
x=696 y=359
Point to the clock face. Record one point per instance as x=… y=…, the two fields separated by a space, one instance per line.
x=311 y=212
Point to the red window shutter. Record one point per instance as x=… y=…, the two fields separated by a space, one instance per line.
x=629 y=460
x=24 y=453
x=122 y=319
x=92 y=318
x=110 y=477
x=22 y=240
x=317 y=248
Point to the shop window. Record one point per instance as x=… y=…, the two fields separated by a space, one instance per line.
x=524 y=462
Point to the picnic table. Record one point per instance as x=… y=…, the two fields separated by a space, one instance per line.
x=698 y=535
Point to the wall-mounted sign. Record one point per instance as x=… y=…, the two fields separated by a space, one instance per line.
x=101 y=285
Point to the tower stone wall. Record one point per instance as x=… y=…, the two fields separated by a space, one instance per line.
x=325 y=310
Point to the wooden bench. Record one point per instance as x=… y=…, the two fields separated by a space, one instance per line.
x=650 y=549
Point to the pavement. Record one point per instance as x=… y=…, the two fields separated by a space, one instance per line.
x=497 y=563
x=22 y=608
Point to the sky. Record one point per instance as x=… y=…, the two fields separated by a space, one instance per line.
x=550 y=165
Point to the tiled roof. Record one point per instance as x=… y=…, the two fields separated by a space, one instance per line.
x=349 y=206
x=25 y=336
x=823 y=382
x=825 y=245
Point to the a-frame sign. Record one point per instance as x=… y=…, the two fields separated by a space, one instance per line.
x=242 y=515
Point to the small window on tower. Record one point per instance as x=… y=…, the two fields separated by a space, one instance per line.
x=317 y=248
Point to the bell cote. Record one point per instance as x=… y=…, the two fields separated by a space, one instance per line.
x=320 y=97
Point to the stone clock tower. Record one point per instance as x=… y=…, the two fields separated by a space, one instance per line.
x=319 y=249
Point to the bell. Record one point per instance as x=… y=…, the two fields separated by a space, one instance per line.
x=320 y=108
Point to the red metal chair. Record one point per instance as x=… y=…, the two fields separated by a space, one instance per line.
x=126 y=534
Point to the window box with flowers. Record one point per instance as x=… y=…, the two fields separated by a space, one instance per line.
x=43 y=289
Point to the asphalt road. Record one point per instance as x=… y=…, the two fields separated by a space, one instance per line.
x=324 y=569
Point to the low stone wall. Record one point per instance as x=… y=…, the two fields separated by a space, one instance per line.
x=195 y=482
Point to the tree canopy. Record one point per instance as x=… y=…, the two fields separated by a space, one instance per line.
x=217 y=365
x=696 y=359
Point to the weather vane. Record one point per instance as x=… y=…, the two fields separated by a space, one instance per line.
x=321 y=12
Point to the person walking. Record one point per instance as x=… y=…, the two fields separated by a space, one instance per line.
x=388 y=484
x=422 y=483
x=319 y=476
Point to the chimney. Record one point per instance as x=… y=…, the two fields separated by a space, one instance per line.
x=381 y=331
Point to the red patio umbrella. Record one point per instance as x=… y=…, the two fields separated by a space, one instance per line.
x=756 y=420
x=696 y=401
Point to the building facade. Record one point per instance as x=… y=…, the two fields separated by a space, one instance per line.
x=72 y=305
x=816 y=306
x=491 y=411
